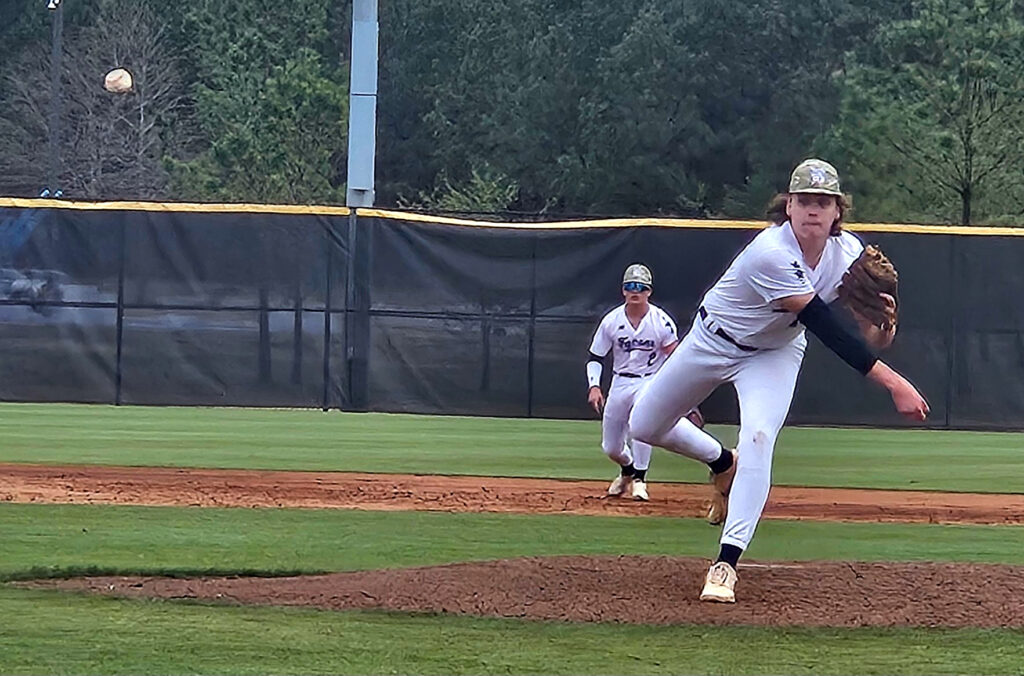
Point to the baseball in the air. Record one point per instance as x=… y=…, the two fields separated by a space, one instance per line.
x=118 y=81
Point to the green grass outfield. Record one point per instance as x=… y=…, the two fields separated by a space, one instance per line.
x=313 y=440
x=52 y=632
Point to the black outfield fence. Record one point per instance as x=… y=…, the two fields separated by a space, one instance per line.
x=243 y=305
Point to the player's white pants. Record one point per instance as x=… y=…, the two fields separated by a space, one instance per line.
x=764 y=382
x=615 y=440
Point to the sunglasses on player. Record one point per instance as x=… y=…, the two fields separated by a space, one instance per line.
x=635 y=287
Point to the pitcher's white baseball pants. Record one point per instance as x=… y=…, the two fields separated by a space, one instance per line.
x=764 y=382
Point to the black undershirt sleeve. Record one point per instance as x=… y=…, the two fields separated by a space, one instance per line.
x=593 y=357
x=837 y=336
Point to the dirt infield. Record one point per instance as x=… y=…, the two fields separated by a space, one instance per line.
x=635 y=589
x=245 y=488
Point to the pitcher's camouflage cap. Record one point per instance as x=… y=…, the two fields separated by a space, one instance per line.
x=638 y=273
x=815 y=176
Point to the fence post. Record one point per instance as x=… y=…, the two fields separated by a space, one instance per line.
x=531 y=332
x=357 y=312
x=119 y=330
x=328 y=318
x=952 y=327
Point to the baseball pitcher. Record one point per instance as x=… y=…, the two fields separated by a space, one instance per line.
x=750 y=331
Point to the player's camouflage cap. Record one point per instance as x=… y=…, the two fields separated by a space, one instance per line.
x=815 y=176
x=638 y=273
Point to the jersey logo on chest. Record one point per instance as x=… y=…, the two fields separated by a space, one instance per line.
x=628 y=344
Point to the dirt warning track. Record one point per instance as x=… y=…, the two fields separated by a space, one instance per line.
x=94 y=484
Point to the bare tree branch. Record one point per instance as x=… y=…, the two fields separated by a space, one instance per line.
x=111 y=145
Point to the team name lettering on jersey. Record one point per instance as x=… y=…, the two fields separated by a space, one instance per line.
x=630 y=344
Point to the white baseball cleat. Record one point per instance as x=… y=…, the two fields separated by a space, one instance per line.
x=640 y=490
x=720 y=584
x=620 y=485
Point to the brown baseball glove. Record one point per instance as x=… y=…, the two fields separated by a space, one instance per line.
x=869 y=291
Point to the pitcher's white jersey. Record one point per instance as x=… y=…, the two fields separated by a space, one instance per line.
x=771 y=267
x=638 y=351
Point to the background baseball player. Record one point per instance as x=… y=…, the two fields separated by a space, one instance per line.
x=749 y=331
x=640 y=337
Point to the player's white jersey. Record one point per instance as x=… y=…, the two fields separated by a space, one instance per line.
x=636 y=351
x=771 y=267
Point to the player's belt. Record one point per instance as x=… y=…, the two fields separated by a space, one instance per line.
x=720 y=332
x=634 y=375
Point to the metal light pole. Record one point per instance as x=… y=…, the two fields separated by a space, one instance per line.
x=362 y=111
x=56 y=8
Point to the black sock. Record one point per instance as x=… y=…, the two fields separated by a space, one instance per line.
x=628 y=470
x=640 y=474
x=723 y=463
x=730 y=554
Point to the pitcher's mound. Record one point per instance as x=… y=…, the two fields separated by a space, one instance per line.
x=634 y=589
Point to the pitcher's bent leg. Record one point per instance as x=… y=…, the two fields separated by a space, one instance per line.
x=683 y=382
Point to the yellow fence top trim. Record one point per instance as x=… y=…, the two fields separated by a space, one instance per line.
x=688 y=223
x=192 y=207
x=200 y=207
x=630 y=222
x=707 y=224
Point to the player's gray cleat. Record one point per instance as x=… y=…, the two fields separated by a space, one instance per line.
x=620 y=485
x=719 y=584
x=640 y=490
x=721 y=484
